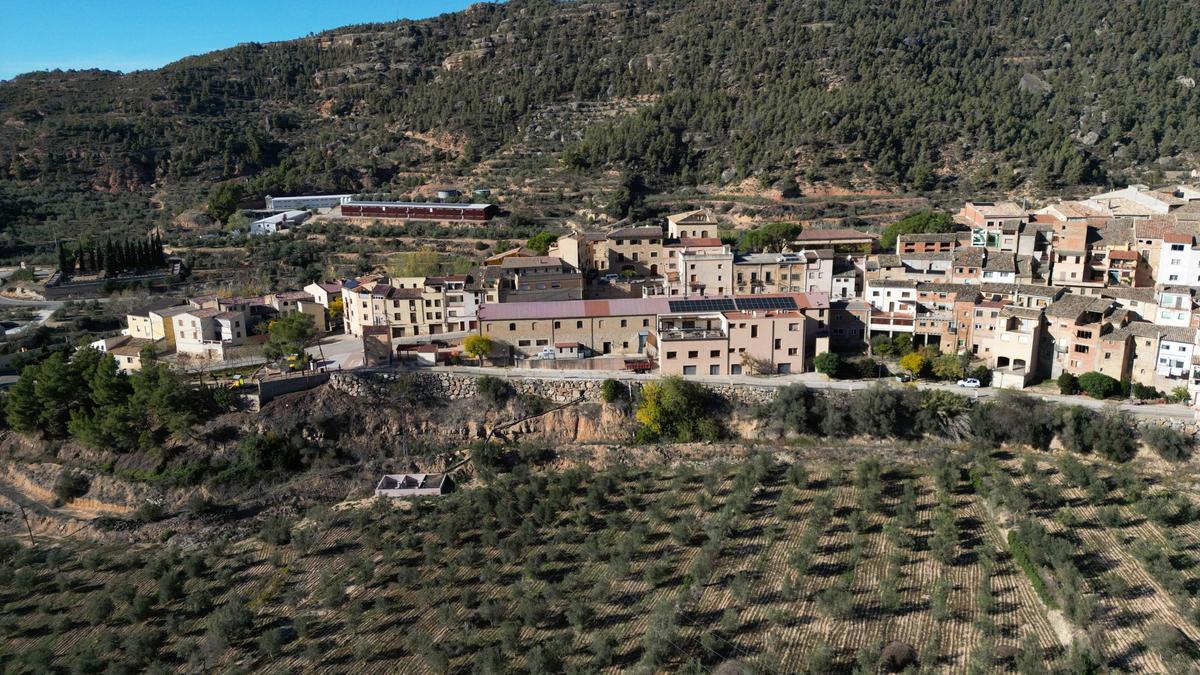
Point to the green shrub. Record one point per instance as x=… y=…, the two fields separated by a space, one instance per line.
x=1112 y=436
x=679 y=410
x=1068 y=384
x=1170 y=444
x=276 y=530
x=1099 y=385
x=1020 y=554
x=70 y=485
x=612 y=390
x=827 y=363
x=493 y=390
x=1143 y=393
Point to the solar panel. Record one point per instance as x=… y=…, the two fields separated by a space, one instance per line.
x=708 y=305
x=753 y=304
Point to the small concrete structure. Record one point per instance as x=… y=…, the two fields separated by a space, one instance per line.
x=414 y=485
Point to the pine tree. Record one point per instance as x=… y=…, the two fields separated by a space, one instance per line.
x=21 y=406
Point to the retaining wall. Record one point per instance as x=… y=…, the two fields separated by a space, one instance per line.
x=455 y=386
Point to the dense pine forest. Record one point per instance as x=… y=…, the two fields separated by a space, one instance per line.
x=963 y=96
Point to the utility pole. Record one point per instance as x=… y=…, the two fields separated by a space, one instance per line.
x=27 y=526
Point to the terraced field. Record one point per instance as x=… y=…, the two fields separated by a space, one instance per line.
x=774 y=564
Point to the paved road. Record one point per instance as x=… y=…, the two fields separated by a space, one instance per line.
x=337 y=351
x=817 y=381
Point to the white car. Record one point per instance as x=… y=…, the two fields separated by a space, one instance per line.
x=969 y=382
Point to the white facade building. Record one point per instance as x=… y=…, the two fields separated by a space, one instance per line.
x=1174 y=307
x=277 y=223
x=1178 y=261
x=306 y=202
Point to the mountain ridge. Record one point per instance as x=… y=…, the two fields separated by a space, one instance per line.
x=962 y=96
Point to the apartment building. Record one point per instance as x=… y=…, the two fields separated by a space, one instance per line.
x=698 y=224
x=288 y=302
x=585 y=251
x=1075 y=325
x=1178 y=260
x=1000 y=226
x=531 y=329
x=731 y=336
x=153 y=321
x=700 y=268
x=802 y=272
x=636 y=250
x=1013 y=346
x=207 y=333
x=932 y=242
x=1175 y=307
x=532 y=279
x=323 y=292
x=408 y=306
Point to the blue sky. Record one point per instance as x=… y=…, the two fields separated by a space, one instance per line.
x=136 y=34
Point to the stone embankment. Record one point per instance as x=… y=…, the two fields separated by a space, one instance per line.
x=457 y=386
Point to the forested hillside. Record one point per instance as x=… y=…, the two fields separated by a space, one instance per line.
x=954 y=95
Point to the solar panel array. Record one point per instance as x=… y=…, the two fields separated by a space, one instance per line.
x=708 y=305
x=731 y=305
x=752 y=304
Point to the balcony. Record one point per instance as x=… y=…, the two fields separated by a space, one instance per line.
x=675 y=334
x=892 y=321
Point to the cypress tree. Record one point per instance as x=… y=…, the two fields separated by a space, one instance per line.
x=110 y=269
x=64 y=261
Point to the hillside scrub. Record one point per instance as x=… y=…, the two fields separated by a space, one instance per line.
x=1011 y=418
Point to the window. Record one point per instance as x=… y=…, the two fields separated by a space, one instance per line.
x=623 y=323
x=670 y=355
x=522 y=343
x=1081 y=349
x=735 y=369
x=558 y=324
x=542 y=343
x=714 y=370
x=778 y=343
x=579 y=324
x=689 y=370
x=753 y=331
x=645 y=323
x=512 y=327
x=693 y=354
x=714 y=353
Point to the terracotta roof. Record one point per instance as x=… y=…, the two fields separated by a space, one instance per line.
x=700 y=241
x=1021 y=289
x=1000 y=262
x=1022 y=312
x=1072 y=306
x=1118 y=254
x=971 y=256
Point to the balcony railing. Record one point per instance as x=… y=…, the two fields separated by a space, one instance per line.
x=669 y=334
x=891 y=319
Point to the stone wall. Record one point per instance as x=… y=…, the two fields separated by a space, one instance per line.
x=455 y=386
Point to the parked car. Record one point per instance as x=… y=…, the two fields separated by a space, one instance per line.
x=904 y=377
x=969 y=382
x=610 y=278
